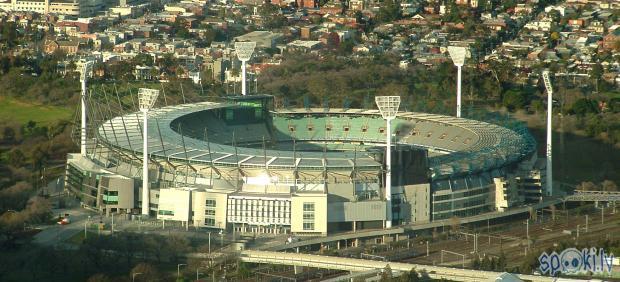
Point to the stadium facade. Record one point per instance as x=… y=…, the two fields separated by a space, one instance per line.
x=242 y=164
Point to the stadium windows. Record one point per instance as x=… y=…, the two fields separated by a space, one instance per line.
x=291 y=128
x=111 y=193
x=210 y=221
x=308 y=207
x=258 y=113
x=346 y=129
x=165 y=212
x=328 y=127
x=310 y=127
x=210 y=203
x=381 y=130
x=364 y=129
x=308 y=216
x=229 y=115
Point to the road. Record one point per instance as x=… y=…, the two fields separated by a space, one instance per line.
x=55 y=234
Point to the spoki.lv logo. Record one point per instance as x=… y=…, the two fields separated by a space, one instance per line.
x=572 y=260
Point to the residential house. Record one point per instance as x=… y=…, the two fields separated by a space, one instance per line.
x=308 y=4
x=495 y=24
x=304 y=46
x=611 y=40
x=67 y=46
x=263 y=39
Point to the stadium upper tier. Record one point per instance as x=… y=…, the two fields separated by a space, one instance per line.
x=312 y=139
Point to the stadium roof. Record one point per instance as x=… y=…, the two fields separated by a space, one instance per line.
x=456 y=145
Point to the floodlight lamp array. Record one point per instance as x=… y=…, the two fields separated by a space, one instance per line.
x=457 y=54
x=147 y=98
x=388 y=106
x=86 y=69
x=244 y=50
x=547 y=81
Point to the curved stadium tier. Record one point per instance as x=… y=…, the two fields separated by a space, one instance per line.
x=242 y=164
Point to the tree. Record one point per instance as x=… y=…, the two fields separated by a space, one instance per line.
x=149 y=272
x=346 y=47
x=554 y=37
x=9 y=134
x=16 y=157
x=177 y=245
x=476 y=263
x=38 y=210
x=271 y=15
x=389 y=11
x=386 y=274
x=143 y=59
x=616 y=45
x=155 y=244
x=587 y=186
x=15 y=197
x=10 y=223
x=9 y=33
x=609 y=186
x=243 y=271
x=500 y=264
x=514 y=99
x=99 y=277
x=584 y=106
x=455 y=223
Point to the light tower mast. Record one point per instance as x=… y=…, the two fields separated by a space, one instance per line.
x=86 y=70
x=388 y=106
x=146 y=99
x=244 y=52
x=549 y=88
x=458 y=54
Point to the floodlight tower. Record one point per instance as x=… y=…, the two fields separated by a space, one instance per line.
x=458 y=58
x=388 y=106
x=549 y=88
x=244 y=52
x=146 y=98
x=86 y=69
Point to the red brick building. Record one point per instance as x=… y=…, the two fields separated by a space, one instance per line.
x=609 y=41
x=311 y=4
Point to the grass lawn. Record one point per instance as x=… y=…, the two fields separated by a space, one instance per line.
x=22 y=112
x=78 y=238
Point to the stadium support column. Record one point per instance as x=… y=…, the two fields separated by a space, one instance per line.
x=549 y=176
x=83 y=127
x=86 y=69
x=388 y=106
x=549 y=154
x=458 y=55
x=146 y=98
x=243 y=91
x=458 y=92
x=388 y=174
x=145 y=166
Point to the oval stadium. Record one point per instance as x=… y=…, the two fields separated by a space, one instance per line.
x=242 y=164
